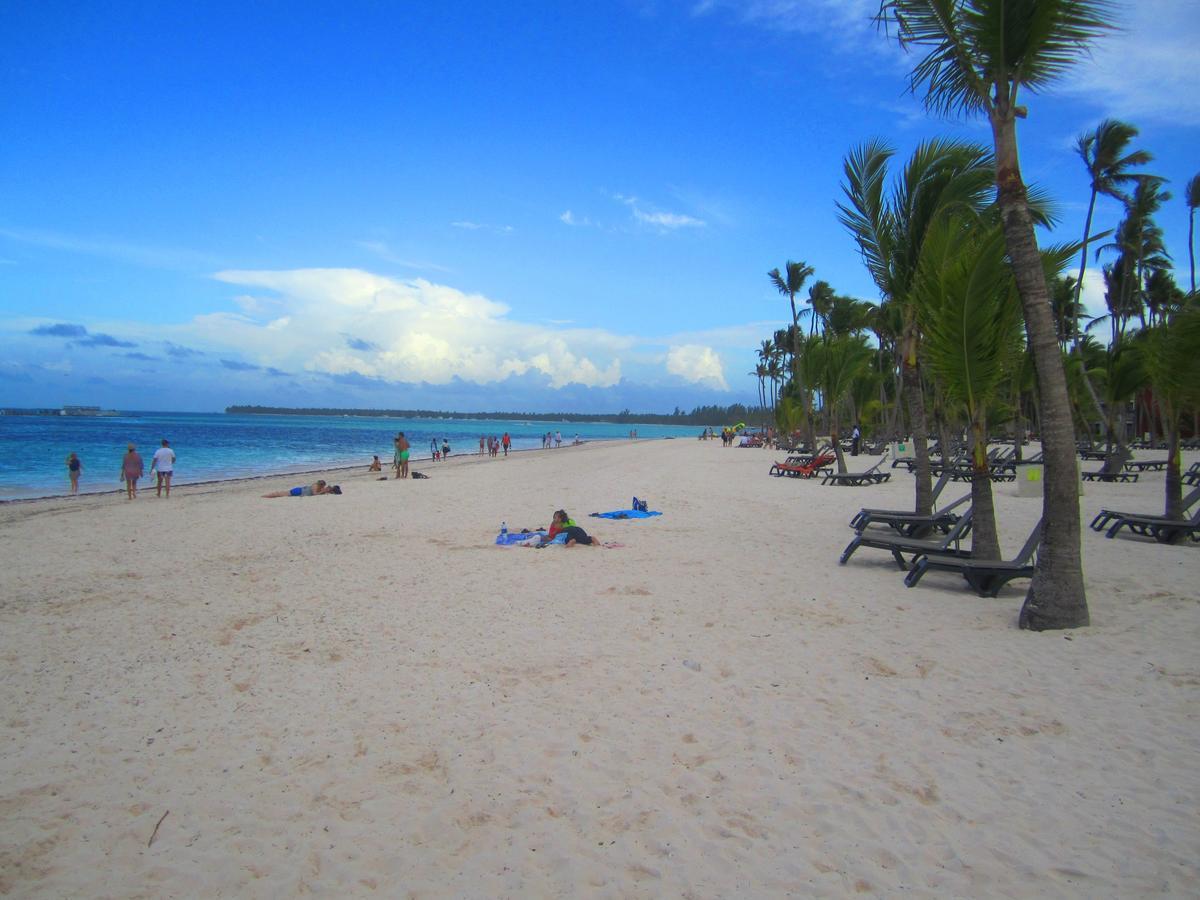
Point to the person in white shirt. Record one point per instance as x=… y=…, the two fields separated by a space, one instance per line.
x=164 y=465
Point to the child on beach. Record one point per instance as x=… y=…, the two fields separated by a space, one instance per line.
x=376 y=465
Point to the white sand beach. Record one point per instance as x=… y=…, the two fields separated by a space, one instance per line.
x=362 y=695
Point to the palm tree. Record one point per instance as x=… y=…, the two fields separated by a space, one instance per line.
x=1064 y=302
x=840 y=361
x=1103 y=153
x=971 y=318
x=790 y=285
x=820 y=302
x=1192 y=196
x=980 y=54
x=890 y=227
x=1172 y=362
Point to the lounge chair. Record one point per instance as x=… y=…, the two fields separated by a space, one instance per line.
x=1162 y=529
x=805 y=470
x=1113 y=468
x=1105 y=516
x=938 y=487
x=898 y=544
x=858 y=479
x=985 y=577
x=1146 y=465
x=1101 y=475
x=911 y=525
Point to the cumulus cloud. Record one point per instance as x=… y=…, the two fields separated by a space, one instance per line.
x=697 y=364
x=420 y=332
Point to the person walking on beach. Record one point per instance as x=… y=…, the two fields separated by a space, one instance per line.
x=403 y=450
x=558 y=439
x=74 y=467
x=163 y=464
x=445 y=448
x=482 y=440
x=855 y=440
x=131 y=470
x=505 y=442
x=433 y=449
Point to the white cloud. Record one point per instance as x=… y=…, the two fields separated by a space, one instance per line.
x=1092 y=296
x=697 y=364
x=418 y=332
x=1146 y=71
x=667 y=221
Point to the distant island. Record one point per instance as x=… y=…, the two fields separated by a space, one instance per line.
x=701 y=415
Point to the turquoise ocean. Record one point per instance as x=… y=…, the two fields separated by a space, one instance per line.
x=220 y=446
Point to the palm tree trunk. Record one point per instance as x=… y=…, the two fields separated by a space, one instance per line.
x=1057 y=597
x=893 y=425
x=914 y=398
x=1087 y=231
x=1192 y=245
x=985 y=542
x=837 y=443
x=1174 y=480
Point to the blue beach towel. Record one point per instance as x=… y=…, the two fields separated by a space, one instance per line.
x=626 y=514
x=514 y=538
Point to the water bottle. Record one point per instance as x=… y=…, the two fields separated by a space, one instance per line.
x=503 y=529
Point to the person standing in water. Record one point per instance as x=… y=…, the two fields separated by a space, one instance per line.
x=74 y=468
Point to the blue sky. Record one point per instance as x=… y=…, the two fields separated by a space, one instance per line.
x=472 y=206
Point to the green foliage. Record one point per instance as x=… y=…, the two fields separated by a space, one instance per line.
x=969 y=310
x=978 y=47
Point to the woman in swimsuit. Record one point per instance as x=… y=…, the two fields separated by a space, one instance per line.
x=131 y=470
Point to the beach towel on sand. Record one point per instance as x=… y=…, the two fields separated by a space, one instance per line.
x=516 y=538
x=625 y=514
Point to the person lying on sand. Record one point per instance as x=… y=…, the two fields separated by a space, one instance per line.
x=575 y=535
x=308 y=490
